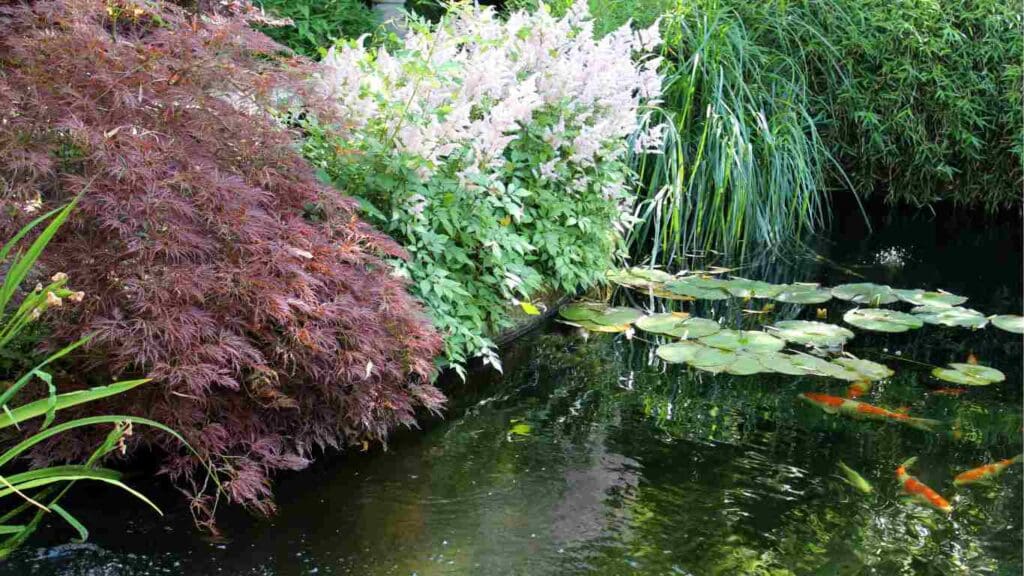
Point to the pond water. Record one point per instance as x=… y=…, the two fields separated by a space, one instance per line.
x=590 y=457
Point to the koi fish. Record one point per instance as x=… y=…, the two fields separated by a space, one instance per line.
x=855 y=409
x=986 y=472
x=856 y=480
x=918 y=490
x=858 y=389
x=949 y=391
x=971 y=358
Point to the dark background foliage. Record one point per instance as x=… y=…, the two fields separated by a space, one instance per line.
x=211 y=257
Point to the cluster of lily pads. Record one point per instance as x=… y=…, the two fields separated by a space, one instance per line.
x=706 y=345
x=930 y=307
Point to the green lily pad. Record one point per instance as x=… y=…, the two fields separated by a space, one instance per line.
x=781 y=363
x=744 y=341
x=689 y=287
x=617 y=316
x=804 y=294
x=693 y=328
x=923 y=298
x=881 y=320
x=951 y=316
x=743 y=288
x=865 y=293
x=811 y=333
x=708 y=357
x=678 y=352
x=591 y=326
x=581 y=311
x=969 y=374
x=1008 y=322
x=680 y=327
x=745 y=365
x=870 y=370
x=660 y=323
x=812 y=365
x=639 y=277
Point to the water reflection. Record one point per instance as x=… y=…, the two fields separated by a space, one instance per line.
x=591 y=457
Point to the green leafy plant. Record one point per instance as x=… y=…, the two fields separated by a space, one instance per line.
x=494 y=151
x=317 y=24
x=741 y=161
x=37 y=492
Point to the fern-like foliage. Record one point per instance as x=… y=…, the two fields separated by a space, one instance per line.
x=212 y=258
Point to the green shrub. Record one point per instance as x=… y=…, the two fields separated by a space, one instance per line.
x=922 y=98
x=741 y=162
x=318 y=24
x=494 y=151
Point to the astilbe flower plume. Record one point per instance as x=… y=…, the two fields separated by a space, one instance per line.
x=211 y=257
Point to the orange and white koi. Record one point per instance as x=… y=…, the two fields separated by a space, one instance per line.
x=919 y=491
x=986 y=472
x=855 y=409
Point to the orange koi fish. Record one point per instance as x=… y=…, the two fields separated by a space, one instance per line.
x=949 y=391
x=855 y=409
x=986 y=472
x=858 y=389
x=919 y=490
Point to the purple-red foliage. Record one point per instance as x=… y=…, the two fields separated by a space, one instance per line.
x=211 y=257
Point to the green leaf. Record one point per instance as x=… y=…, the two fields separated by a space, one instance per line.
x=83 y=534
x=969 y=374
x=951 y=316
x=808 y=333
x=922 y=298
x=744 y=341
x=865 y=293
x=880 y=320
x=66 y=400
x=1008 y=322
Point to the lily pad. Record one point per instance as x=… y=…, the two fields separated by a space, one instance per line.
x=745 y=365
x=951 y=316
x=667 y=295
x=868 y=369
x=689 y=287
x=969 y=374
x=865 y=293
x=812 y=365
x=617 y=316
x=639 y=277
x=591 y=326
x=678 y=352
x=881 y=320
x=660 y=323
x=693 y=328
x=1008 y=322
x=781 y=363
x=744 y=341
x=581 y=311
x=808 y=333
x=803 y=294
x=743 y=288
x=923 y=298
x=707 y=357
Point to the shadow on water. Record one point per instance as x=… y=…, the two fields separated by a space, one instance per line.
x=590 y=457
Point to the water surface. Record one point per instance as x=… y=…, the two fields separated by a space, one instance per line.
x=590 y=457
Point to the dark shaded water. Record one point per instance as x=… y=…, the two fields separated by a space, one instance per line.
x=589 y=457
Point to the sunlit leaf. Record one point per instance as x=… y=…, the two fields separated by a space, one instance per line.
x=969 y=374
x=744 y=341
x=865 y=293
x=922 y=298
x=881 y=320
x=818 y=334
x=1008 y=322
x=951 y=316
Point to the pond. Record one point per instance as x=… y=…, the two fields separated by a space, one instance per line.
x=589 y=456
